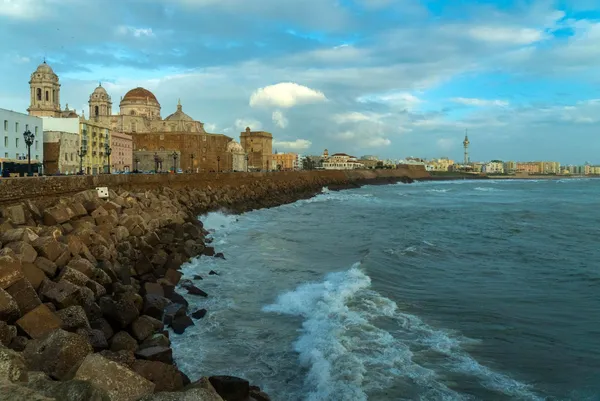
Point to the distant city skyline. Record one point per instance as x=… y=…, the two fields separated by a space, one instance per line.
x=365 y=77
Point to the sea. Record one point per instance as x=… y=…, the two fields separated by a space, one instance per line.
x=448 y=290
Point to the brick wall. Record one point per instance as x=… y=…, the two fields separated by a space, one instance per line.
x=16 y=189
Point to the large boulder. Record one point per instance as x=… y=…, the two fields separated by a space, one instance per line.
x=39 y=322
x=49 y=247
x=121 y=383
x=33 y=274
x=12 y=366
x=7 y=333
x=57 y=215
x=122 y=341
x=231 y=388
x=157 y=353
x=144 y=326
x=70 y=390
x=25 y=234
x=14 y=392
x=62 y=294
x=9 y=310
x=25 y=295
x=10 y=271
x=16 y=213
x=166 y=377
x=58 y=354
x=46 y=265
x=73 y=318
x=123 y=312
x=23 y=250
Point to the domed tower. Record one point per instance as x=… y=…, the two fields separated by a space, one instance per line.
x=100 y=103
x=326 y=154
x=140 y=102
x=45 y=92
x=466 y=146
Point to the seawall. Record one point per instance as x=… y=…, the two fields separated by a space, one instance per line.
x=13 y=190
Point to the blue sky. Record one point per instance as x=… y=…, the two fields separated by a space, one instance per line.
x=394 y=78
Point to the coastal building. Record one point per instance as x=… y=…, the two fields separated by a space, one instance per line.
x=493 y=167
x=239 y=158
x=259 y=147
x=286 y=161
x=370 y=163
x=370 y=157
x=442 y=164
x=528 y=167
x=510 y=167
x=61 y=145
x=342 y=161
x=121 y=155
x=14 y=152
x=94 y=138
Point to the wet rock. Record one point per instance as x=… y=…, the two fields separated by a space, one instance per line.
x=73 y=318
x=219 y=255
x=156 y=340
x=173 y=276
x=57 y=354
x=172 y=311
x=213 y=273
x=231 y=388
x=154 y=289
x=122 y=341
x=197 y=277
x=154 y=305
x=10 y=271
x=145 y=326
x=209 y=251
x=180 y=323
x=158 y=353
x=193 y=290
x=121 y=383
x=62 y=294
x=12 y=366
x=178 y=299
x=166 y=377
x=258 y=395
x=199 y=314
x=39 y=322
x=24 y=295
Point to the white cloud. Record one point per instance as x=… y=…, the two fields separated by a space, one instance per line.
x=242 y=123
x=298 y=144
x=397 y=99
x=363 y=139
x=508 y=35
x=136 y=32
x=479 y=102
x=356 y=116
x=208 y=127
x=285 y=95
x=279 y=119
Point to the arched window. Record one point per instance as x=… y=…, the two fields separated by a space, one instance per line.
x=133 y=127
x=47 y=96
x=54 y=96
x=39 y=94
x=132 y=112
x=96 y=111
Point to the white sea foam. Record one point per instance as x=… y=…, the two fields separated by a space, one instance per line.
x=486 y=189
x=348 y=356
x=438 y=190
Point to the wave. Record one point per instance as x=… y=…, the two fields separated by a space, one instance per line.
x=326 y=195
x=349 y=356
x=438 y=190
x=486 y=189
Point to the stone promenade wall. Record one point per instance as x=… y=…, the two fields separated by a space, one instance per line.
x=17 y=189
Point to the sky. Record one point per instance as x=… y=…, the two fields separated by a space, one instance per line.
x=392 y=78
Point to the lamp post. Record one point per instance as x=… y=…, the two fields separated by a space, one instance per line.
x=81 y=153
x=28 y=136
x=247 y=167
x=192 y=165
x=174 y=162
x=156 y=159
x=108 y=151
x=137 y=164
x=218 y=164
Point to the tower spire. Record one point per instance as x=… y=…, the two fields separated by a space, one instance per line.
x=466 y=147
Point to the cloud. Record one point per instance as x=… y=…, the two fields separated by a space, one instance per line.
x=298 y=144
x=279 y=119
x=363 y=139
x=356 y=116
x=506 y=35
x=136 y=32
x=285 y=95
x=210 y=127
x=242 y=123
x=479 y=102
x=398 y=99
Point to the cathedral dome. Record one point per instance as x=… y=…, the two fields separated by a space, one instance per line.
x=100 y=93
x=44 y=69
x=179 y=115
x=140 y=94
x=234 y=147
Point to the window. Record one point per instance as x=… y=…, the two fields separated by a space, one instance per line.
x=26 y=127
x=96 y=111
x=37 y=157
x=6 y=142
x=5 y=125
x=36 y=130
x=17 y=127
x=66 y=157
x=6 y=155
x=17 y=142
x=39 y=94
x=36 y=145
x=47 y=96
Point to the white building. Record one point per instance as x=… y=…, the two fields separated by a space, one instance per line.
x=493 y=168
x=342 y=161
x=14 y=152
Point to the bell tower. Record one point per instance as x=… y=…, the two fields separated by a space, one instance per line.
x=45 y=92
x=466 y=146
x=100 y=103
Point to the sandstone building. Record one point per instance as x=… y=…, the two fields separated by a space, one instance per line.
x=259 y=147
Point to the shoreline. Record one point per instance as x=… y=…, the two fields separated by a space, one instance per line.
x=90 y=287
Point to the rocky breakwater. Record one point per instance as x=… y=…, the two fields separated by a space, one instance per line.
x=88 y=293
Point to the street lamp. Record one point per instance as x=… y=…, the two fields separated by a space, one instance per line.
x=108 y=151
x=81 y=153
x=192 y=166
x=156 y=159
x=247 y=168
x=137 y=164
x=218 y=163
x=28 y=136
x=174 y=162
